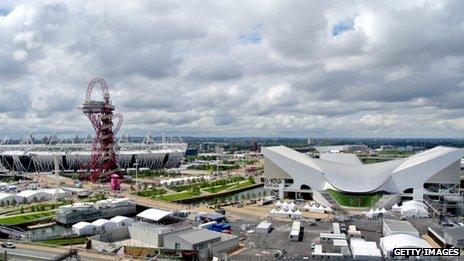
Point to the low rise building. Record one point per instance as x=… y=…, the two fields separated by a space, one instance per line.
x=364 y=250
x=84 y=228
x=454 y=237
x=392 y=227
x=264 y=227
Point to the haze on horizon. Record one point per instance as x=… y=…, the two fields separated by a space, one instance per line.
x=237 y=68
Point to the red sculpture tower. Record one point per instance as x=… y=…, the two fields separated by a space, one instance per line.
x=101 y=115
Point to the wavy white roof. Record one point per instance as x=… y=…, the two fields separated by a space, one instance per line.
x=345 y=173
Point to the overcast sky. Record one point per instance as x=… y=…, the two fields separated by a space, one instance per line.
x=236 y=68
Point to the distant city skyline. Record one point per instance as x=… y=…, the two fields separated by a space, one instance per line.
x=236 y=68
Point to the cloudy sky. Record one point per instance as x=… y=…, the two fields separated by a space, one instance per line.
x=237 y=68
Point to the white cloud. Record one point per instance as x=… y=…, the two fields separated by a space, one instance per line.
x=257 y=68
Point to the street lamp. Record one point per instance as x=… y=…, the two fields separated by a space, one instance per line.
x=136 y=164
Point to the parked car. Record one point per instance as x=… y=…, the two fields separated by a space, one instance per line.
x=8 y=245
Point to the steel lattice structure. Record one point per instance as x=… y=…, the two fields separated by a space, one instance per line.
x=73 y=156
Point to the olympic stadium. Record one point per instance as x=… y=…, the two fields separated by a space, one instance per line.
x=31 y=157
x=430 y=175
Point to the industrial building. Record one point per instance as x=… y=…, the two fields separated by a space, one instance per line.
x=73 y=213
x=156 y=228
x=393 y=227
x=432 y=175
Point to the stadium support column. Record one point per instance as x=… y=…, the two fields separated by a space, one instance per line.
x=281 y=188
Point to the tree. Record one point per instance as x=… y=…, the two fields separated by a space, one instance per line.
x=251 y=180
x=2 y=204
x=24 y=201
x=13 y=202
x=34 y=199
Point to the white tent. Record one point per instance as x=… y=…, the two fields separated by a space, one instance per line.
x=122 y=221
x=9 y=199
x=383 y=211
x=296 y=214
x=370 y=213
x=291 y=206
x=396 y=208
x=284 y=206
x=104 y=224
x=313 y=208
x=413 y=212
x=278 y=203
x=84 y=228
x=282 y=212
x=306 y=207
x=273 y=212
x=320 y=209
x=35 y=195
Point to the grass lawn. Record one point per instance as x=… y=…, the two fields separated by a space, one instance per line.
x=65 y=241
x=179 y=196
x=25 y=218
x=216 y=189
x=350 y=200
x=242 y=184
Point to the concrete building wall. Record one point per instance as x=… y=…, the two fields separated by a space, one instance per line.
x=143 y=234
x=226 y=246
x=113 y=235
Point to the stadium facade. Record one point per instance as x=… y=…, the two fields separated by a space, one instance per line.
x=433 y=174
x=77 y=156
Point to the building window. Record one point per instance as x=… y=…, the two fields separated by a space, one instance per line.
x=408 y=190
x=306 y=187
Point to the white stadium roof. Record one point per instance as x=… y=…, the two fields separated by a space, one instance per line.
x=343 y=172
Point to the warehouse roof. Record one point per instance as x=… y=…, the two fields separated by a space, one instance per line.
x=118 y=219
x=101 y=222
x=400 y=226
x=199 y=235
x=82 y=224
x=455 y=232
x=154 y=214
x=360 y=247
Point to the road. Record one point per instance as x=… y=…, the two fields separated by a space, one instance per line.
x=26 y=252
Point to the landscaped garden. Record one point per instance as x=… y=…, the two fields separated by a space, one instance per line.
x=152 y=174
x=200 y=188
x=355 y=200
x=26 y=218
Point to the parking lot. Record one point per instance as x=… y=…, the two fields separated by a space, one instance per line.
x=263 y=246
x=268 y=246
